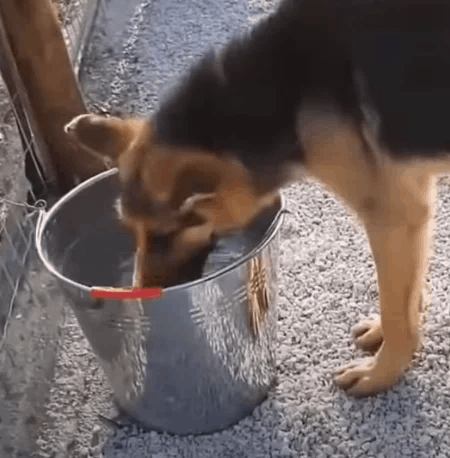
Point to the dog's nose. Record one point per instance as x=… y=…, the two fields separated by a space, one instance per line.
x=69 y=128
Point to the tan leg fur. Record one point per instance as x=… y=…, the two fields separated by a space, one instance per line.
x=396 y=205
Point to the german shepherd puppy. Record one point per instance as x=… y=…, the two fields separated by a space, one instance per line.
x=354 y=93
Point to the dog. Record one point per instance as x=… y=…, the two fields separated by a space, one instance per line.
x=353 y=93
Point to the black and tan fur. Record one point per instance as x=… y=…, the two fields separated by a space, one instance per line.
x=352 y=93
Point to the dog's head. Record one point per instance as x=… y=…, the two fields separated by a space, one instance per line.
x=175 y=201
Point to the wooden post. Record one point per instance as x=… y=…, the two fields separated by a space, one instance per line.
x=52 y=93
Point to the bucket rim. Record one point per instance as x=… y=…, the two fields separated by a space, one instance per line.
x=46 y=217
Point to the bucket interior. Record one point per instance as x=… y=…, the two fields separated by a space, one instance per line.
x=81 y=239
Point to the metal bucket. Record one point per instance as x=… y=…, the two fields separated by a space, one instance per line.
x=196 y=360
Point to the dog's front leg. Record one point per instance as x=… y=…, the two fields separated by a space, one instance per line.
x=399 y=229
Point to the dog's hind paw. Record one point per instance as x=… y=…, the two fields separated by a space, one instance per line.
x=368 y=334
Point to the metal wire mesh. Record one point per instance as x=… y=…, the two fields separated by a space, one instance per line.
x=20 y=203
x=77 y=17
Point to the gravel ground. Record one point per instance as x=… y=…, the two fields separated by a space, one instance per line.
x=327 y=284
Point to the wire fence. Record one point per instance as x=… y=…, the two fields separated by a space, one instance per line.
x=22 y=201
x=77 y=22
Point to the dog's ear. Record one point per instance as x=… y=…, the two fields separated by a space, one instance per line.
x=103 y=136
x=220 y=192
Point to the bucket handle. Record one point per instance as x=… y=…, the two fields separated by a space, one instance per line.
x=40 y=206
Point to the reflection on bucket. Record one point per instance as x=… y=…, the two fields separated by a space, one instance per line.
x=258 y=301
x=195 y=360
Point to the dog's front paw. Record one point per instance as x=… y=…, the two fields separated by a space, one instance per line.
x=368 y=334
x=359 y=380
x=375 y=375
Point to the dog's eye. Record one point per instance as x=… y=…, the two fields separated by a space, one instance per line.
x=160 y=243
x=138 y=203
x=191 y=219
x=132 y=197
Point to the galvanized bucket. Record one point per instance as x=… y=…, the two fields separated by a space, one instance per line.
x=196 y=360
